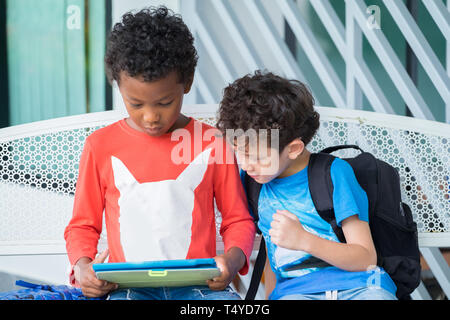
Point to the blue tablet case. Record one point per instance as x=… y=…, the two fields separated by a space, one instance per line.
x=165 y=273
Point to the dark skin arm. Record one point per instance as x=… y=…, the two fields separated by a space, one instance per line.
x=229 y=263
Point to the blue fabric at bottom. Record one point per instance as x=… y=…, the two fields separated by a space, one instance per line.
x=367 y=293
x=61 y=292
x=45 y=292
x=332 y=278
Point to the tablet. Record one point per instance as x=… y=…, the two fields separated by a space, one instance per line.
x=164 y=273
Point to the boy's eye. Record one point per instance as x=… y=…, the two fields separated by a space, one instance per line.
x=165 y=104
x=135 y=104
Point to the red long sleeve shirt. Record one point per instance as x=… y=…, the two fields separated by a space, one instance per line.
x=157 y=195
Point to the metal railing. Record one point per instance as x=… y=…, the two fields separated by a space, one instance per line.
x=238 y=37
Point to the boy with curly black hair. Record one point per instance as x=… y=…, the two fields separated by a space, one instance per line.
x=294 y=233
x=156 y=208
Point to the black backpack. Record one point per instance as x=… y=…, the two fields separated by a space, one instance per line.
x=393 y=229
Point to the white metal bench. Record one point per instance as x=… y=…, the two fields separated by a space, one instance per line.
x=39 y=165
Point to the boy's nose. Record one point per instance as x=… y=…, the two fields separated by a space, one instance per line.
x=151 y=117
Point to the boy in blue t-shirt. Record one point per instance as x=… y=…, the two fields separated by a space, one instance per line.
x=270 y=121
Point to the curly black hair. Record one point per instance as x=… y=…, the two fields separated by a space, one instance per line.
x=267 y=101
x=151 y=44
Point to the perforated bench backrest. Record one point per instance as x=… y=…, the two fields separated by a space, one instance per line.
x=39 y=165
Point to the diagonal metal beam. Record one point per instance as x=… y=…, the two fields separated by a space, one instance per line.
x=447 y=107
x=332 y=23
x=440 y=15
x=203 y=88
x=392 y=64
x=214 y=53
x=314 y=52
x=421 y=293
x=420 y=46
x=354 y=49
x=362 y=73
x=237 y=33
x=439 y=266
x=288 y=64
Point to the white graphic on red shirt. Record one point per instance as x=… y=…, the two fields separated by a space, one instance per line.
x=156 y=217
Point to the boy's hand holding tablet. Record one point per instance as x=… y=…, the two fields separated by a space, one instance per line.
x=229 y=264
x=91 y=286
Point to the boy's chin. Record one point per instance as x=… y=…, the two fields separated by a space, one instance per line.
x=262 y=179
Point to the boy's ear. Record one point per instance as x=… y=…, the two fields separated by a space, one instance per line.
x=295 y=148
x=188 y=85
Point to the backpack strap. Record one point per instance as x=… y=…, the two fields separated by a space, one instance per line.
x=340 y=147
x=257 y=271
x=321 y=189
x=253 y=189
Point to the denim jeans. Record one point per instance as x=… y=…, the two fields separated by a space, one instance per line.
x=173 y=293
x=367 y=293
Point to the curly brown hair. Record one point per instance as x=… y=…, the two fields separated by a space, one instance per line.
x=267 y=101
x=150 y=44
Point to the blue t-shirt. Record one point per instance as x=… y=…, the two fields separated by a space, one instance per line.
x=292 y=194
